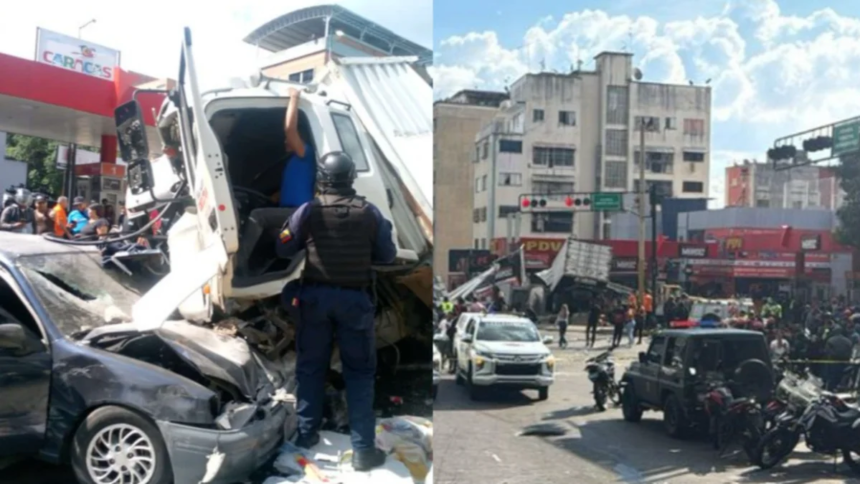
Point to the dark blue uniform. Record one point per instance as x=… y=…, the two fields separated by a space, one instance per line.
x=324 y=309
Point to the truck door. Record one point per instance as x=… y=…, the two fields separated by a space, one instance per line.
x=207 y=176
x=672 y=369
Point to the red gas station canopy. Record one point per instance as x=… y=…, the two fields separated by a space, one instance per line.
x=42 y=100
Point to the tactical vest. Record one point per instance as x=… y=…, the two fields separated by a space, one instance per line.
x=341 y=233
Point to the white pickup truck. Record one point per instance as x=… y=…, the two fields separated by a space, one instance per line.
x=223 y=154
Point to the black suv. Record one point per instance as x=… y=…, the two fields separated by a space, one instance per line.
x=669 y=375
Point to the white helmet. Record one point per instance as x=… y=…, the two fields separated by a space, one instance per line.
x=23 y=196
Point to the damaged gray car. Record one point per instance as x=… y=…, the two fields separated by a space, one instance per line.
x=79 y=383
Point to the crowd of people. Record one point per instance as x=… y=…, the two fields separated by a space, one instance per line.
x=28 y=214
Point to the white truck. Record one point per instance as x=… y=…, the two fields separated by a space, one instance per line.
x=223 y=157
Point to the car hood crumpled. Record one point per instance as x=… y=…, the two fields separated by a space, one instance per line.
x=222 y=357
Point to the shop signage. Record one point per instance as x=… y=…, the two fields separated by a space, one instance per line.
x=810 y=242
x=692 y=251
x=733 y=244
x=75 y=54
x=624 y=265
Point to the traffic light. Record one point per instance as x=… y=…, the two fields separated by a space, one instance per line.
x=786 y=152
x=541 y=202
x=818 y=143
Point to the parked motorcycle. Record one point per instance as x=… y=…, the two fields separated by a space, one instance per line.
x=731 y=419
x=601 y=372
x=828 y=426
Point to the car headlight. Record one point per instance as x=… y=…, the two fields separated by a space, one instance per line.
x=484 y=354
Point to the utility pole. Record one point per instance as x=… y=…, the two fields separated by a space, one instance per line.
x=641 y=260
x=654 y=269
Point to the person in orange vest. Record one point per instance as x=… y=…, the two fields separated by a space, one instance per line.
x=646 y=314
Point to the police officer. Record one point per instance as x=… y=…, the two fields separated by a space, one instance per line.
x=343 y=235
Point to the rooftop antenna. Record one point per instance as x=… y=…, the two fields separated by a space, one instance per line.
x=627 y=47
x=578 y=64
x=543 y=64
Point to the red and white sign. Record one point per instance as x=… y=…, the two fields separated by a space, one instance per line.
x=75 y=54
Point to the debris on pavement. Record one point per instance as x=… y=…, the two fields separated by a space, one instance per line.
x=410 y=440
x=330 y=462
x=542 y=430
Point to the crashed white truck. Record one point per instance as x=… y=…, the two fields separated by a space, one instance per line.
x=221 y=159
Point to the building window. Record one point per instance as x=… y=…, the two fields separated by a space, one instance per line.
x=616 y=174
x=476 y=215
x=552 y=157
x=485 y=148
x=552 y=223
x=510 y=146
x=552 y=188
x=505 y=210
x=567 y=118
x=537 y=115
x=510 y=179
x=303 y=77
x=616 y=142
x=671 y=123
x=484 y=183
x=664 y=187
x=651 y=123
x=483 y=243
x=484 y=214
x=762 y=203
x=694 y=127
x=694 y=156
x=656 y=162
x=616 y=105
x=477 y=244
x=693 y=187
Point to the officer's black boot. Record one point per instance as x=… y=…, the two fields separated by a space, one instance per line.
x=367 y=459
x=307 y=441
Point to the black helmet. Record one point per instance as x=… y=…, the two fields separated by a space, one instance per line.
x=337 y=169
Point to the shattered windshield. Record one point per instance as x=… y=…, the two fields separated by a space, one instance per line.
x=77 y=292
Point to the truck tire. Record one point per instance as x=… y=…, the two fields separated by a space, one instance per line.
x=630 y=407
x=673 y=418
x=474 y=390
x=543 y=393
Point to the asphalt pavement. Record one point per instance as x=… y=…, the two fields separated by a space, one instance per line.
x=478 y=442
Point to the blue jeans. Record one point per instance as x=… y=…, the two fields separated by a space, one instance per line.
x=630 y=329
x=323 y=312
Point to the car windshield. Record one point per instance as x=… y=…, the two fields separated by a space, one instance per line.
x=77 y=292
x=503 y=331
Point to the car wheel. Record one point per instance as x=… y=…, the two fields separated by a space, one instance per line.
x=543 y=393
x=630 y=407
x=673 y=417
x=116 y=445
x=474 y=390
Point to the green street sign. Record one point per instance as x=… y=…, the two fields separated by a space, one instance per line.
x=606 y=202
x=846 y=138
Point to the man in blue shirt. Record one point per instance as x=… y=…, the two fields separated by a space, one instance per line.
x=297 y=188
x=78 y=217
x=299 y=177
x=343 y=236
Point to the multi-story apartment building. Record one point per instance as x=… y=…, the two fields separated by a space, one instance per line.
x=456 y=121
x=578 y=132
x=302 y=42
x=754 y=184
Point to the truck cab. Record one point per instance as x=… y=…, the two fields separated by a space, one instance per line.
x=222 y=157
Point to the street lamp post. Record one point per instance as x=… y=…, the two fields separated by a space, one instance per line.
x=641 y=262
x=82 y=27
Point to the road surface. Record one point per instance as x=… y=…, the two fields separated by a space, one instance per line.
x=477 y=441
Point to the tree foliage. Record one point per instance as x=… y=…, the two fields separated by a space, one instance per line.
x=41 y=157
x=848 y=171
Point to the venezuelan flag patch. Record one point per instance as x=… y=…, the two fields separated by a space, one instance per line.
x=286 y=236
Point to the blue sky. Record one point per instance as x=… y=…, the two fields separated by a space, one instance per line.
x=776 y=66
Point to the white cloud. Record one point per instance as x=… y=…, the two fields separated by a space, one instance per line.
x=149 y=35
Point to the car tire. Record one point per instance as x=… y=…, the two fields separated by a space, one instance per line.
x=474 y=390
x=673 y=418
x=101 y=427
x=543 y=393
x=630 y=407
